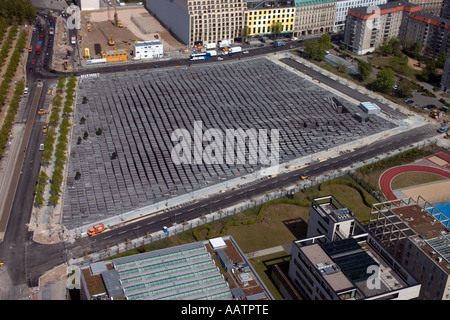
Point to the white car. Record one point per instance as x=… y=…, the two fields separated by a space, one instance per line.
x=245 y=52
x=25 y=91
x=219 y=58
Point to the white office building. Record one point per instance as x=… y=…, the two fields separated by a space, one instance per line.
x=148 y=50
x=342 y=7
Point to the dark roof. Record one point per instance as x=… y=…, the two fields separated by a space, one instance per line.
x=350 y=257
x=112 y=284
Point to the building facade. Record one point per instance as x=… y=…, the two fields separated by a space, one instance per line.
x=445 y=80
x=445 y=12
x=336 y=261
x=260 y=21
x=196 y=22
x=432 y=6
x=314 y=17
x=342 y=7
x=418 y=236
x=432 y=31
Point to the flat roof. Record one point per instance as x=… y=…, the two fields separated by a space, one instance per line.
x=190 y=271
x=147 y=43
x=318 y=257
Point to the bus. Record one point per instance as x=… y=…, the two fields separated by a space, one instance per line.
x=200 y=56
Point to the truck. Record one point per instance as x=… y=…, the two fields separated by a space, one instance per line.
x=51 y=30
x=96 y=229
x=38 y=48
x=73 y=39
x=235 y=49
x=279 y=44
x=210 y=46
x=212 y=53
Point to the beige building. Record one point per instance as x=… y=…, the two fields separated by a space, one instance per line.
x=314 y=17
x=196 y=22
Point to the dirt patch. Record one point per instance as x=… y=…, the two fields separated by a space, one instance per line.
x=138 y=25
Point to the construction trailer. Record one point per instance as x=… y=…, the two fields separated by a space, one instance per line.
x=115 y=55
x=148 y=49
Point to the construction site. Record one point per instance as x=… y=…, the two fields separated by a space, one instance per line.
x=109 y=34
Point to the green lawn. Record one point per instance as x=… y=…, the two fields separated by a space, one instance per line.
x=409 y=179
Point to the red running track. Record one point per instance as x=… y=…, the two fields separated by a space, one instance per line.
x=387 y=176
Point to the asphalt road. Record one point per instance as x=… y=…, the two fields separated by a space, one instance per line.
x=31 y=260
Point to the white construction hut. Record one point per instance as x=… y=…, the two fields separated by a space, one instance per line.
x=148 y=49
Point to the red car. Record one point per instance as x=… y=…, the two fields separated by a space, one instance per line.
x=33 y=62
x=41 y=35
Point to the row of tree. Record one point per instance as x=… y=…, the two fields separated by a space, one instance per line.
x=58 y=152
x=17 y=11
x=5 y=85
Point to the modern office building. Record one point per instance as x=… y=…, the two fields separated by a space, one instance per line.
x=314 y=17
x=445 y=80
x=342 y=7
x=196 y=22
x=330 y=218
x=417 y=235
x=215 y=269
x=339 y=262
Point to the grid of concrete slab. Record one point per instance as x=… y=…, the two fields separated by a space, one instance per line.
x=138 y=111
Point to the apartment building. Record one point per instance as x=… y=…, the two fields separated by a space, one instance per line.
x=432 y=6
x=314 y=17
x=445 y=80
x=417 y=235
x=364 y=32
x=342 y=7
x=196 y=22
x=338 y=263
x=261 y=16
x=445 y=12
x=431 y=30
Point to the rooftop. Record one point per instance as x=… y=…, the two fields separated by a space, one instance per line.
x=330 y=207
x=213 y=270
x=386 y=8
x=423 y=226
x=344 y=265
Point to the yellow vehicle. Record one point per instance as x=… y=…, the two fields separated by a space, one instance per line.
x=42 y=111
x=303 y=177
x=44 y=129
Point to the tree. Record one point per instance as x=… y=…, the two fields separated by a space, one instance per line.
x=404 y=88
x=245 y=33
x=277 y=28
x=385 y=80
x=365 y=69
x=413 y=49
x=325 y=41
x=314 y=50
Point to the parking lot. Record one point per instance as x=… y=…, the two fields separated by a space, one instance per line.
x=138 y=111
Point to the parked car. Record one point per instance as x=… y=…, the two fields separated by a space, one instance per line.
x=219 y=58
x=408 y=100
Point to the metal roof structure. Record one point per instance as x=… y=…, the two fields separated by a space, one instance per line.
x=441 y=245
x=186 y=272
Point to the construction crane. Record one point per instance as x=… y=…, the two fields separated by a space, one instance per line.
x=116 y=16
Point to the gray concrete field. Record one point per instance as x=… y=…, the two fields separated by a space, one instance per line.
x=138 y=111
